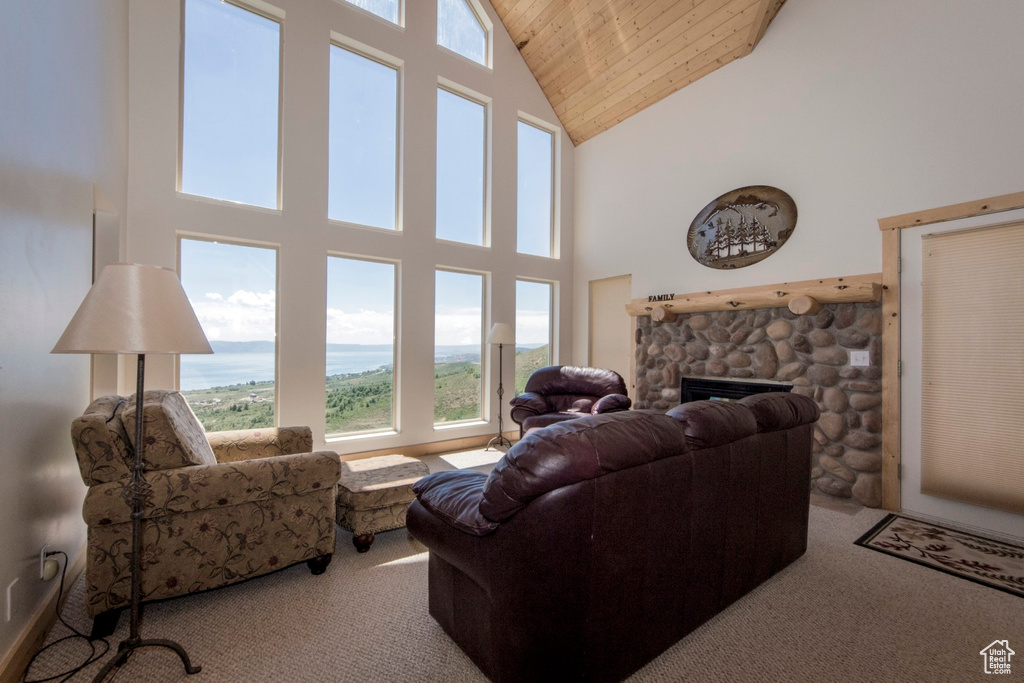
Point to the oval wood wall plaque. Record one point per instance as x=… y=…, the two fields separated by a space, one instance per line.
x=742 y=227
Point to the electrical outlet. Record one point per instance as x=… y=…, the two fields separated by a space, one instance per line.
x=10 y=598
x=860 y=359
x=42 y=560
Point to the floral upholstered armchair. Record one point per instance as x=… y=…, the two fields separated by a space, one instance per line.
x=222 y=507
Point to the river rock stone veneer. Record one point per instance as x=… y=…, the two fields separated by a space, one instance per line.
x=811 y=352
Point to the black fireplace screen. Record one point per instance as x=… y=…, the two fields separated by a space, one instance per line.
x=702 y=389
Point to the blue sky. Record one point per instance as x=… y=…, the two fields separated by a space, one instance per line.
x=230 y=152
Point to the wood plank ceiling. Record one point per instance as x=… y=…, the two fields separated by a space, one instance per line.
x=601 y=61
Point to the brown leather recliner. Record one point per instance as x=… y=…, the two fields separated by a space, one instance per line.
x=596 y=544
x=564 y=392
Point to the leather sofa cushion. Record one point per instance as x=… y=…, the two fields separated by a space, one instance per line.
x=173 y=435
x=454 y=496
x=712 y=423
x=574 y=451
x=775 y=411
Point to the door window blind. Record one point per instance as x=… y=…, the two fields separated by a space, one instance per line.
x=972 y=394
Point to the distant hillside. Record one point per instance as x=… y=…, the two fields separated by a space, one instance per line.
x=528 y=362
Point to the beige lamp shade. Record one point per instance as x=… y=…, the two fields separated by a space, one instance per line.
x=501 y=333
x=134 y=309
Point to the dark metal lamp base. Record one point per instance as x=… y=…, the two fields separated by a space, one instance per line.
x=127 y=647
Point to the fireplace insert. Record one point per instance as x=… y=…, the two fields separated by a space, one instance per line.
x=703 y=388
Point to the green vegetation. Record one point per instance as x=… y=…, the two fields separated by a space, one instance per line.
x=456 y=391
x=528 y=362
x=239 y=406
x=359 y=401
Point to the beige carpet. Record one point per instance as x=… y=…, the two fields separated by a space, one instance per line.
x=840 y=613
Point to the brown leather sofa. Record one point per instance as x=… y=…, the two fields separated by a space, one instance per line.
x=565 y=392
x=596 y=544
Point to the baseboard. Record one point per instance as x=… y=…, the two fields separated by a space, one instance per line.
x=13 y=665
x=433 y=448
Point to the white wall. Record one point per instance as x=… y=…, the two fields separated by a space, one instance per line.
x=859 y=110
x=157 y=213
x=63 y=134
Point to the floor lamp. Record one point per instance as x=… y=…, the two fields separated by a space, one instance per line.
x=140 y=310
x=500 y=334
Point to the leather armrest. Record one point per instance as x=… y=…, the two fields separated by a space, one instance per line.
x=526 y=404
x=454 y=497
x=611 y=403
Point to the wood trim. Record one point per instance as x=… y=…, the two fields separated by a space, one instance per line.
x=890 y=228
x=848 y=289
x=890 y=371
x=12 y=668
x=760 y=25
x=432 y=448
x=981 y=207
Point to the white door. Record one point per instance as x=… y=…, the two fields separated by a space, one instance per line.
x=912 y=500
x=611 y=328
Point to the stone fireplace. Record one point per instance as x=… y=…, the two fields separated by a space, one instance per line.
x=810 y=352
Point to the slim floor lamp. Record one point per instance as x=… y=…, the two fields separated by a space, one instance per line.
x=500 y=334
x=141 y=310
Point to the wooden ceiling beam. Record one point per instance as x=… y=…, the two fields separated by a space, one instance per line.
x=766 y=12
x=563 y=39
x=643 y=31
x=600 y=61
x=572 y=49
x=630 y=74
x=725 y=52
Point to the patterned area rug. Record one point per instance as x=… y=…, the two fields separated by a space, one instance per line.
x=991 y=563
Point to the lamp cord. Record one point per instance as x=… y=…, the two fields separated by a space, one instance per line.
x=94 y=656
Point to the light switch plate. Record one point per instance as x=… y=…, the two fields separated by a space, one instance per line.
x=860 y=359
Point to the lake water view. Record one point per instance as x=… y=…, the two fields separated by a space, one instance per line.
x=224 y=369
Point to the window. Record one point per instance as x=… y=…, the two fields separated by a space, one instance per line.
x=385 y=9
x=461 y=160
x=533 y=329
x=360 y=345
x=363 y=140
x=233 y=291
x=462 y=28
x=535 y=203
x=230 y=105
x=458 y=346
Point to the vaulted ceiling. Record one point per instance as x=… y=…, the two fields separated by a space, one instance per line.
x=601 y=61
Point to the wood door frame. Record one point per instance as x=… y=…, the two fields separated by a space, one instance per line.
x=890 y=228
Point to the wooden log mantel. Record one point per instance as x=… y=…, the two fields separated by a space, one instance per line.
x=837 y=290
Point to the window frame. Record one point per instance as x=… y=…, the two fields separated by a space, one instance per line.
x=367 y=52
x=400 y=24
x=484 y=101
x=236 y=242
x=485 y=23
x=556 y=194
x=272 y=13
x=552 y=313
x=485 y=288
x=395 y=428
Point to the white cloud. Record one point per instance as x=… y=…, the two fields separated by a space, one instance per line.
x=457 y=328
x=364 y=327
x=532 y=327
x=243 y=316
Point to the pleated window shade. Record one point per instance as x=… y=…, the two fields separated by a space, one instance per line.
x=972 y=394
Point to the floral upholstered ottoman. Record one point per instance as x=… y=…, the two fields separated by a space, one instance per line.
x=374 y=495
